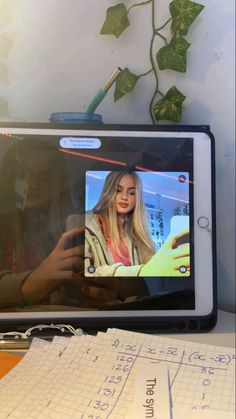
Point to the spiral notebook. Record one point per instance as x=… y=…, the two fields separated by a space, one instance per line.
x=118 y=375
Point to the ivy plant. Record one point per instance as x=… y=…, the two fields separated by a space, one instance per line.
x=171 y=56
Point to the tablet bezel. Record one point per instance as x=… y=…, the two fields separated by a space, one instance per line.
x=204 y=206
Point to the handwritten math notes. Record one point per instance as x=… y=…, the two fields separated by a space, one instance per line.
x=118 y=375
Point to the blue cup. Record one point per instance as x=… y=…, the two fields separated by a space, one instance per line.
x=76 y=118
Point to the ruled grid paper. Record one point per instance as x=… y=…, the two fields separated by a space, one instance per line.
x=94 y=377
x=201 y=376
x=17 y=385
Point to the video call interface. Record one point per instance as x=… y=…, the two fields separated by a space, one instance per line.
x=94 y=223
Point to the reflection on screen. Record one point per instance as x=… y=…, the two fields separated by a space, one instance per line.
x=93 y=228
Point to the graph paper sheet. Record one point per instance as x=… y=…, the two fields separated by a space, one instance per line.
x=94 y=377
x=17 y=384
x=201 y=376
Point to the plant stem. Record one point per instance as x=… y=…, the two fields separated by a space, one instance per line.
x=160 y=93
x=161 y=27
x=153 y=64
x=157 y=31
x=145 y=74
x=161 y=36
x=138 y=4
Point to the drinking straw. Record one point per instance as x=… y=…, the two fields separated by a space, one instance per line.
x=102 y=92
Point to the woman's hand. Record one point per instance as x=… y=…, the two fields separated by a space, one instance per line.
x=60 y=266
x=169 y=261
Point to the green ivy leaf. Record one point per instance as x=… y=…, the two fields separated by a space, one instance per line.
x=116 y=20
x=174 y=55
x=125 y=83
x=183 y=13
x=170 y=106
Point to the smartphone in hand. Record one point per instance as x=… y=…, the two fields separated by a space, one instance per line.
x=73 y=221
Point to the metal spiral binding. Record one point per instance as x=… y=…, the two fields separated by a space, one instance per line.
x=28 y=333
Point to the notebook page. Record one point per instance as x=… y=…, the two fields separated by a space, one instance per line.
x=17 y=385
x=201 y=376
x=53 y=389
x=90 y=390
x=95 y=377
x=110 y=397
x=46 y=387
x=124 y=360
x=202 y=414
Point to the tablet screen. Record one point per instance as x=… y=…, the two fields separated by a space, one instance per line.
x=133 y=199
x=108 y=225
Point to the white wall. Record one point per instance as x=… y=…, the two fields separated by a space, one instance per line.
x=58 y=60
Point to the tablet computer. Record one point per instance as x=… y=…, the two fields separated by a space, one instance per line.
x=109 y=225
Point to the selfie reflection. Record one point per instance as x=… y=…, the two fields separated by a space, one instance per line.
x=34 y=202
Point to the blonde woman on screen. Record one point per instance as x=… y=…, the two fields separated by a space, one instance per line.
x=117 y=240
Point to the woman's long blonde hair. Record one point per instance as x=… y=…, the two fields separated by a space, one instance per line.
x=135 y=223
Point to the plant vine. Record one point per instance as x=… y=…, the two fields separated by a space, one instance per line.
x=171 y=56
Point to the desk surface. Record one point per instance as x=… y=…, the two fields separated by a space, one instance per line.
x=222 y=335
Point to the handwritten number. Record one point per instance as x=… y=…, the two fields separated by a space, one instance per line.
x=97 y=404
x=123 y=358
x=120 y=367
x=112 y=379
x=116 y=343
x=106 y=391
